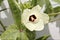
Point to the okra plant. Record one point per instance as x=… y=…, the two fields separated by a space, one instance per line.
x=28 y=18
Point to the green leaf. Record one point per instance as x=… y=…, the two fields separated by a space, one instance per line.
x=58 y=1
x=41 y=2
x=21 y=5
x=13 y=26
x=23 y=36
x=27 y=5
x=31 y=34
x=34 y=3
x=16 y=12
x=38 y=2
x=43 y=37
x=57 y=9
x=1 y=1
x=11 y=33
x=49 y=8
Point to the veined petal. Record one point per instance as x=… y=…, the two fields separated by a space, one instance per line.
x=39 y=25
x=35 y=26
x=44 y=17
x=36 y=8
x=25 y=15
x=30 y=26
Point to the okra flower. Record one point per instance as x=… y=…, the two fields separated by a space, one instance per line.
x=33 y=19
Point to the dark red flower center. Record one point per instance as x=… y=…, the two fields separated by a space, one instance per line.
x=32 y=18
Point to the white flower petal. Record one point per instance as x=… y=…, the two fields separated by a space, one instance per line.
x=25 y=16
x=44 y=17
x=30 y=26
x=35 y=26
x=38 y=23
x=39 y=26
x=36 y=8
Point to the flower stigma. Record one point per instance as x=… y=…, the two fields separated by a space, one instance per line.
x=32 y=18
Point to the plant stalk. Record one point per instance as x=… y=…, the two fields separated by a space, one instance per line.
x=53 y=14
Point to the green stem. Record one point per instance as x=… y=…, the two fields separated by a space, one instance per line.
x=53 y=14
x=2 y=25
x=16 y=12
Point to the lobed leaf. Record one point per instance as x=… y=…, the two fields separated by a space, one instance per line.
x=11 y=33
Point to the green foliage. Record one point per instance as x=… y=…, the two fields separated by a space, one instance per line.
x=55 y=12
x=41 y=2
x=17 y=16
x=45 y=37
x=25 y=5
x=38 y=2
x=31 y=34
x=34 y=3
x=23 y=36
x=1 y=1
x=49 y=8
x=57 y=9
x=11 y=33
x=16 y=11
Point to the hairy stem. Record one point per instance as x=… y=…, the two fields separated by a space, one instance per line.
x=52 y=14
